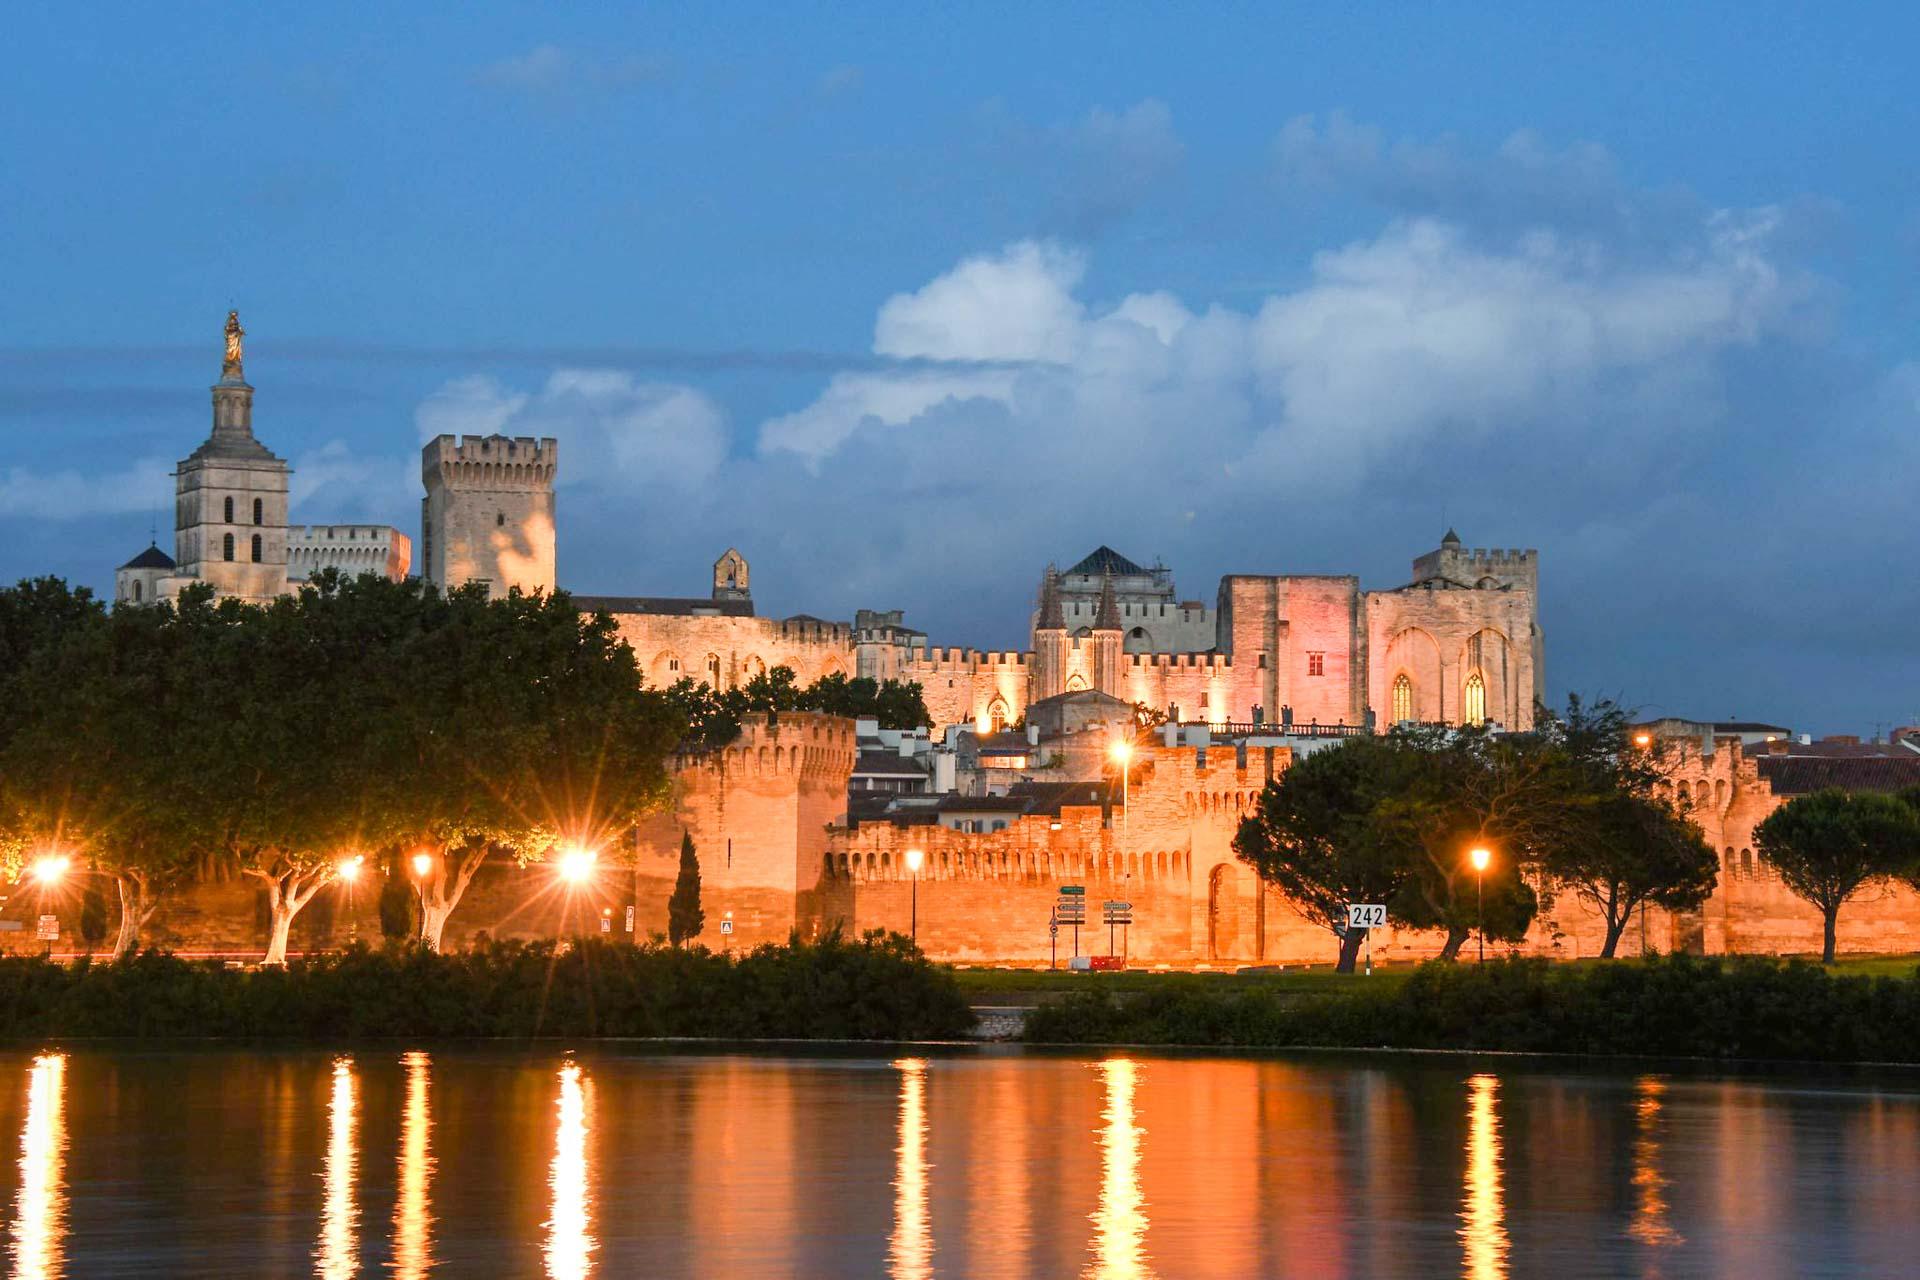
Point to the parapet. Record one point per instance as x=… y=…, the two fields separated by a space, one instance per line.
x=490 y=462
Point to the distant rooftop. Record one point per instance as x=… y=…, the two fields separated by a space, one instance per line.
x=684 y=606
x=1105 y=560
x=152 y=558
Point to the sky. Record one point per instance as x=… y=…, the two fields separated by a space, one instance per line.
x=908 y=301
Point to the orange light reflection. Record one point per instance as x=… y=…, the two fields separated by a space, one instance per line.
x=1650 y=1225
x=570 y=1245
x=910 y=1252
x=413 y=1209
x=1120 y=1223
x=1483 y=1228
x=338 y=1255
x=40 y=1205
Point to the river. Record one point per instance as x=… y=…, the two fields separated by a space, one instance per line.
x=612 y=1162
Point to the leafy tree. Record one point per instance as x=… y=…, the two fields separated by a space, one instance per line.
x=93 y=914
x=1828 y=844
x=1320 y=837
x=713 y=716
x=399 y=903
x=685 y=919
x=1613 y=842
x=514 y=727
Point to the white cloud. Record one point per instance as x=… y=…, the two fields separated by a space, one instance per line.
x=76 y=495
x=1014 y=305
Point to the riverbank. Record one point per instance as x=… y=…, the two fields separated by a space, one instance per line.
x=871 y=988
x=1679 y=1006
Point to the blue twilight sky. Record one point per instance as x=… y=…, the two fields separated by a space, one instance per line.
x=908 y=301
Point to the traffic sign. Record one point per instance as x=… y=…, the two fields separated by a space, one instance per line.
x=726 y=926
x=1117 y=906
x=1071 y=890
x=1366 y=915
x=49 y=930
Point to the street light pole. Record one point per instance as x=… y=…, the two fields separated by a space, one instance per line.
x=914 y=858
x=1480 y=857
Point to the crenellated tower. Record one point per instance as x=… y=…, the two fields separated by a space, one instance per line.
x=488 y=514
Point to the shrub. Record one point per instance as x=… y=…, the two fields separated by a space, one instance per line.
x=873 y=988
x=1676 y=1006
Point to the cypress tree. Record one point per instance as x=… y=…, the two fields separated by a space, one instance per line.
x=685 y=919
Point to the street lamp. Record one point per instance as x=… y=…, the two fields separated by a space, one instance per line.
x=1480 y=857
x=1123 y=755
x=1643 y=739
x=349 y=868
x=50 y=867
x=914 y=858
x=576 y=864
x=422 y=864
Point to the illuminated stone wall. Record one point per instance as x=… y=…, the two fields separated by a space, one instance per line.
x=724 y=650
x=488 y=513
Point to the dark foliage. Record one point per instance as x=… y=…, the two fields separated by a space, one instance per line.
x=879 y=987
x=713 y=716
x=685 y=919
x=1678 y=1006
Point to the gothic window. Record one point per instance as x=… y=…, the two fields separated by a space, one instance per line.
x=259 y=512
x=256 y=548
x=136 y=591
x=227 y=541
x=1746 y=864
x=1476 y=699
x=229 y=516
x=1316 y=664
x=1402 y=698
x=713 y=670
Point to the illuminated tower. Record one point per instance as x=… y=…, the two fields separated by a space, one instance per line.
x=488 y=513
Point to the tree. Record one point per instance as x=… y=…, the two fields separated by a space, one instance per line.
x=93 y=914
x=685 y=919
x=1614 y=843
x=515 y=727
x=399 y=903
x=1319 y=836
x=1828 y=844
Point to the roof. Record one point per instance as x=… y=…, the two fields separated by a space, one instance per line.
x=890 y=764
x=983 y=804
x=1105 y=560
x=1049 y=797
x=1005 y=744
x=152 y=558
x=1072 y=696
x=1798 y=775
x=690 y=606
x=1834 y=750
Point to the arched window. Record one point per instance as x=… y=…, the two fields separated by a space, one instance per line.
x=256 y=548
x=1746 y=864
x=1402 y=698
x=226 y=543
x=713 y=670
x=259 y=512
x=229 y=516
x=136 y=591
x=1476 y=700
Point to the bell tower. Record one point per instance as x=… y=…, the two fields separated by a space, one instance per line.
x=230 y=495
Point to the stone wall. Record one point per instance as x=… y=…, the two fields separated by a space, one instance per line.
x=488 y=513
x=727 y=650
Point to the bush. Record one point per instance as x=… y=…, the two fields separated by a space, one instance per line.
x=879 y=987
x=1677 y=1006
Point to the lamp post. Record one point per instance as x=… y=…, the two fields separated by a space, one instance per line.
x=1480 y=858
x=914 y=858
x=1123 y=756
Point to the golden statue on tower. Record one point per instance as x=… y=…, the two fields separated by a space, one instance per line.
x=231 y=369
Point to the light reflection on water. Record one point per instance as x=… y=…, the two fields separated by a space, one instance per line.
x=40 y=1205
x=569 y=1245
x=484 y=1162
x=338 y=1254
x=910 y=1252
x=412 y=1210
x=1483 y=1227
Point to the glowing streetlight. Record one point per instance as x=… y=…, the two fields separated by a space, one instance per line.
x=50 y=867
x=1643 y=739
x=1122 y=753
x=576 y=864
x=422 y=864
x=1480 y=856
x=914 y=858
x=349 y=868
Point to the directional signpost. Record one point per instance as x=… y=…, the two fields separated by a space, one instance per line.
x=1368 y=916
x=1072 y=909
x=1117 y=914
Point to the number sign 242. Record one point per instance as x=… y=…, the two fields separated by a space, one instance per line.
x=1366 y=915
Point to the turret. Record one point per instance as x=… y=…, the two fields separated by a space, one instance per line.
x=488 y=514
x=1105 y=641
x=1048 y=674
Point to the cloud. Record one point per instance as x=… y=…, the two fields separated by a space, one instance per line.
x=1014 y=305
x=1095 y=170
x=69 y=494
x=550 y=71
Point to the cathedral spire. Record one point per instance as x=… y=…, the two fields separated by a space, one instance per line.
x=1107 y=616
x=232 y=435
x=1052 y=616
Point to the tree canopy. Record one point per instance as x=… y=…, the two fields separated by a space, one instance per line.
x=713 y=716
x=1829 y=844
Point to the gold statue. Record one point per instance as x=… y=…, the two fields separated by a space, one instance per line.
x=234 y=334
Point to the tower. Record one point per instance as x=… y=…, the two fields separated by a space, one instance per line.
x=1048 y=674
x=230 y=495
x=1105 y=640
x=488 y=513
x=730 y=577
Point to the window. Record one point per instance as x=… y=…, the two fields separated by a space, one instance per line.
x=1316 y=664
x=499 y=519
x=1263 y=662
x=136 y=591
x=227 y=546
x=1476 y=700
x=228 y=518
x=256 y=548
x=1402 y=699
x=713 y=670
x=259 y=511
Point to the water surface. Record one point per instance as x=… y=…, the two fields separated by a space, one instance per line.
x=482 y=1162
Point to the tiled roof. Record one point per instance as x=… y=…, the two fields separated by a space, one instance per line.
x=1048 y=797
x=1104 y=559
x=682 y=606
x=1798 y=775
x=983 y=804
x=887 y=764
x=152 y=558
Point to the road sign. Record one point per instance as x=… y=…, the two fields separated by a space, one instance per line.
x=1053 y=928
x=1073 y=890
x=726 y=926
x=1366 y=915
x=49 y=928
x=629 y=918
x=1117 y=906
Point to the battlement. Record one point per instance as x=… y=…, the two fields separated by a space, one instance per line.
x=490 y=462
x=1510 y=566
x=1221 y=662
x=958 y=660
